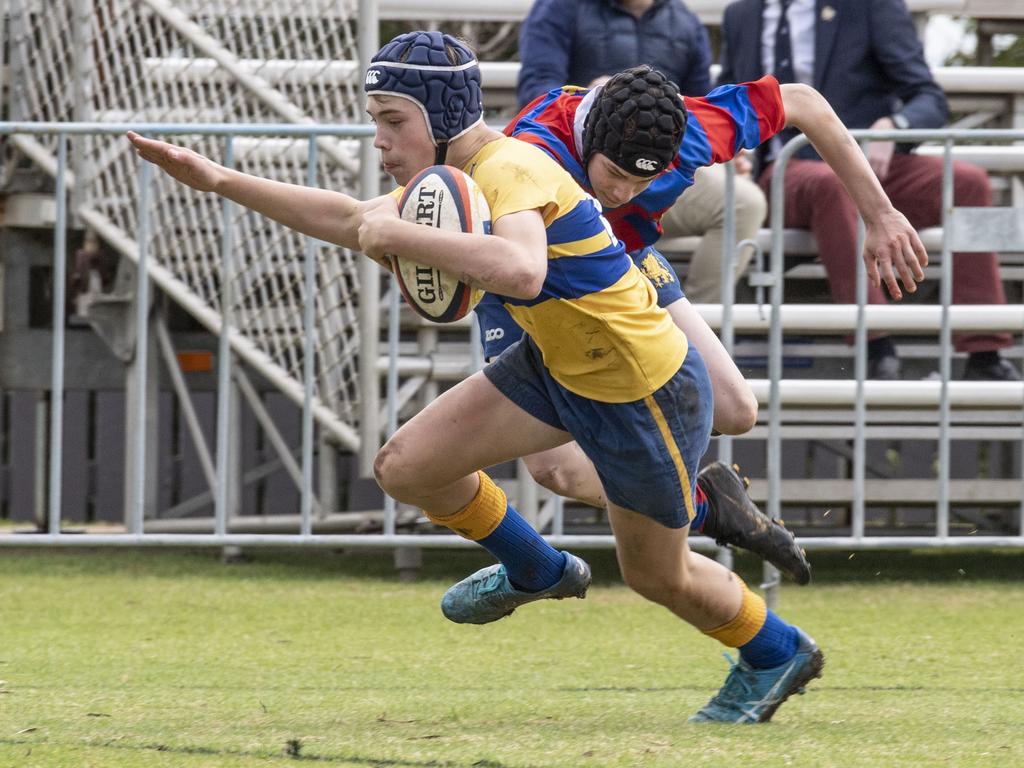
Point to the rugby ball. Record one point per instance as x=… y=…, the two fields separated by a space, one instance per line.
x=444 y=197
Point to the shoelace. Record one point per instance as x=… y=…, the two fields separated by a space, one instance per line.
x=737 y=678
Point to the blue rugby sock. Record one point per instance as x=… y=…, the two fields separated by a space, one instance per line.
x=532 y=564
x=773 y=645
x=764 y=640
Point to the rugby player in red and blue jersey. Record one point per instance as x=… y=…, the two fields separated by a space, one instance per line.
x=588 y=133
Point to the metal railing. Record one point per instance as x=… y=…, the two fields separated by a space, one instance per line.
x=1013 y=237
x=229 y=343
x=776 y=392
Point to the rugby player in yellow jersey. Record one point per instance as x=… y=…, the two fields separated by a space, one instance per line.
x=602 y=363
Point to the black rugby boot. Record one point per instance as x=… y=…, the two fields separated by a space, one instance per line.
x=734 y=519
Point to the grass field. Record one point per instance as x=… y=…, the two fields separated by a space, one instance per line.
x=152 y=658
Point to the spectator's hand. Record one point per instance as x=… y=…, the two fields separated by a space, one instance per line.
x=879 y=153
x=180 y=163
x=743 y=164
x=377 y=218
x=892 y=249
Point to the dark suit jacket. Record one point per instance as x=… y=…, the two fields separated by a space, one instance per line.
x=868 y=61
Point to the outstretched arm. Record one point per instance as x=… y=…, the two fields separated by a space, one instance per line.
x=892 y=247
x=320 y=213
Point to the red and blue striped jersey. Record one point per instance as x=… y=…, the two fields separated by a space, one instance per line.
x=729 y=119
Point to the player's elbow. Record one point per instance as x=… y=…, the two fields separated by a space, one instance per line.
x=738 y=413
x=526 y=280
x=802 y=104
x=533 y=282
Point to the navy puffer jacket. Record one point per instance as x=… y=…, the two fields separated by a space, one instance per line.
x=571 y=42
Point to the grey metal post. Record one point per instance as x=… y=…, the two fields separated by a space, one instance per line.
x=778 y=200
x=476 y=350
x=39 y=454
x=1017 y=200
x=225 y=391
x=945 y=340
x=774 y=458
x=60 y=271
x=327 y=457
x=558 y=519
x=83 y=64
x=369 y=272
x=1016 y=121
x=234 y=494
x=527 y=494
x=728 y=286
x=18 y=54
x=728 y=294
x=394 y=297
x=3 y=40
x=142 y=382
x=860 y=365
x=308 y=361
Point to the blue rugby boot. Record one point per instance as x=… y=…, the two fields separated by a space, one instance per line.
x=487 y=595
x=752 y=695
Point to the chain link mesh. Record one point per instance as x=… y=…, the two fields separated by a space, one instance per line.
x=142 y=61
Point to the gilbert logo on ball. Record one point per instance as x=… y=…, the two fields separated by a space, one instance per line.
x=446 y=198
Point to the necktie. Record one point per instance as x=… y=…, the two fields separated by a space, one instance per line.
x=784 y=48
x=784 y=72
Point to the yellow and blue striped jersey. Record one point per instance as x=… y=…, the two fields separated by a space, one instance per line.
x=596 y=320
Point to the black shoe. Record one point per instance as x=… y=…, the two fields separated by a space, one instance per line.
x=734 y=519
x=1001 y=370
x=884 y=368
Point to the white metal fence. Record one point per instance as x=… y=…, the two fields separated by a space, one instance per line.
x=1004 y=227
x=247 y=62
x=253 y=78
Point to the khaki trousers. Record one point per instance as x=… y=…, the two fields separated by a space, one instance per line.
x=700 y=211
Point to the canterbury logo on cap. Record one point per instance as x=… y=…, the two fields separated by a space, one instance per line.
x=645 y=164
x=372 y=76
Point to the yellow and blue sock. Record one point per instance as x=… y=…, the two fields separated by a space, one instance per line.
x=763 y=639
x=700 y=509
x=531 y=563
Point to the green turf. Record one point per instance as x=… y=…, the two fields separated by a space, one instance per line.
x=156 y=658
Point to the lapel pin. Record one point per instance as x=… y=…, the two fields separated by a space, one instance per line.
x=828 y=13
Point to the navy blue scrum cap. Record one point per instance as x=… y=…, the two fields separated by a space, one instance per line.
x=438 y=73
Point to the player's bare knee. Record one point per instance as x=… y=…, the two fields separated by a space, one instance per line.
x=553 y=477
x=391 y=473
x=382 y=466
x=654 y=584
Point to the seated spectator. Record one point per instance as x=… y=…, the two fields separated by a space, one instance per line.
x=583 y=42
x=866 y=59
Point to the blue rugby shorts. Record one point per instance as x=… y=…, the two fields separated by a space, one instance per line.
x=498 y=331
x=647 y=452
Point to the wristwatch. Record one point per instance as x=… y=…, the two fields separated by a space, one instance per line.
x=900 y=121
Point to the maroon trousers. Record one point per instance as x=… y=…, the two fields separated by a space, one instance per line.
x=816 y=200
